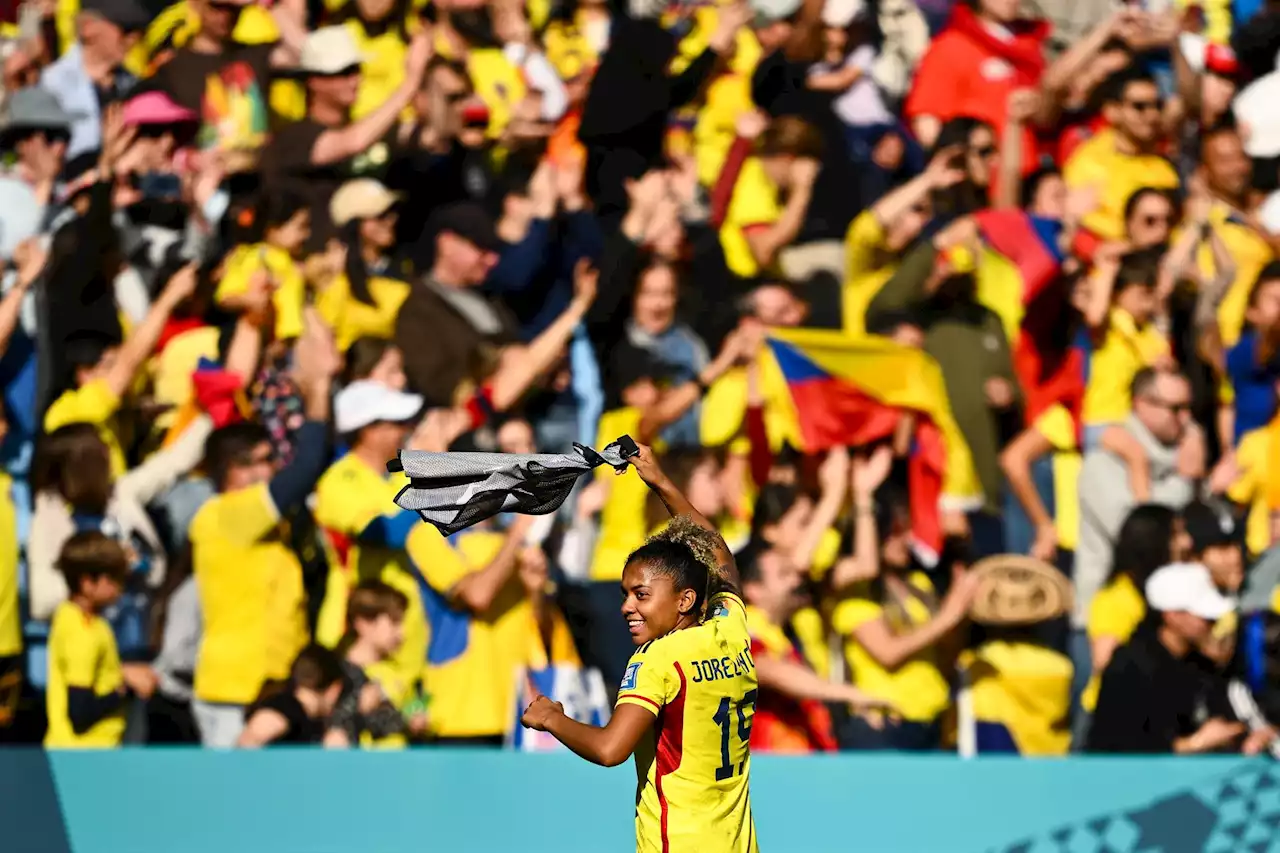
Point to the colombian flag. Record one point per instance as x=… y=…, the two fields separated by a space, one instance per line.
x=216 y=391
x=1019 y=278
x=852 y=391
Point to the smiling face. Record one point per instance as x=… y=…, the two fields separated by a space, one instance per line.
x=651 y=604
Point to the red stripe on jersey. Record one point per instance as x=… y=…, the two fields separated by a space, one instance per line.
x=670 y=747
x=341 y=545
x=642 y=698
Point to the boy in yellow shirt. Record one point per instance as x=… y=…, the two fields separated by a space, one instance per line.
x=89 y=689
x=286 y=224
x=369 y=711
x=1120 y=312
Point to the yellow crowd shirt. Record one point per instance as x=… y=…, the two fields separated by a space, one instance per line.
x=1125 y=350
x=754 y=204
x=622 y=520
x=724 y=409
x=1058 y=428
x=1258 y=457
x=93 y=403
x=173 y=367
x=382 y=71
x=10 y=618
x=497 y=82
x=868 y=265
x=1249 y=251
x=252 y=601
x=472 y=658
x=82 y=654
x=349 y=496
x=352 y=319
x=916 y=688
x=1096 y=163
x=290 y=289
x=694 y=766
x=398 y=692
x=1116 y=611
x=1024 y=689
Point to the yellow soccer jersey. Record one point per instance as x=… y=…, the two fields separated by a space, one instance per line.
x=693 y=768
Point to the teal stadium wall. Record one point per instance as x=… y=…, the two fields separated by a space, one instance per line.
x=309 y=801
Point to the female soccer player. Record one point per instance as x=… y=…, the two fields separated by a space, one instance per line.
x=689 y=692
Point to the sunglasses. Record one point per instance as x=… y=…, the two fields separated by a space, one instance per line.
x=1175 y=408
x=1146 y=106
x=341 y=73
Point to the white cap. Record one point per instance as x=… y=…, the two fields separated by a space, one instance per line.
x=842 y=13
x=362 y=198
x=365 y=402
x=1257 y=117
x=1187 y=588
x=329 y=50
x=1269 y=212
x=768 y=11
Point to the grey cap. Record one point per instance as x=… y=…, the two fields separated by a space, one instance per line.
x=34 y=107
x=768 y=11
x=128 y=15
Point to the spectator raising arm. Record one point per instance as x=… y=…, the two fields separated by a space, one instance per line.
x=316 y=362
x=340 y=143
x=766 y=241
x=477 y=590
x=30 y=258
x=679 y=400
x=515 y=376
x=867 y=474
x=892 y=649
x=138 y=346
x=1016 y=461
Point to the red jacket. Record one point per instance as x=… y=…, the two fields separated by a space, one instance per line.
x=969 y=72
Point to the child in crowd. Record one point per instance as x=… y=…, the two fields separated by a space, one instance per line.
x=368 y=713
x=286 y=227
x=299 y=712
x=88 y=688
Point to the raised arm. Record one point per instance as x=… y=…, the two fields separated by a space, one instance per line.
x=651 y=473
x=514 y=378
x=341 y=143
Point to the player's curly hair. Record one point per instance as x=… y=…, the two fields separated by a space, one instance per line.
x=684 y=552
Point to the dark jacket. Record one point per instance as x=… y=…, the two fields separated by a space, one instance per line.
x=441 y=348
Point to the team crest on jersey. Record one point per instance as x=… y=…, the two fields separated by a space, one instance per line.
x=629 y=677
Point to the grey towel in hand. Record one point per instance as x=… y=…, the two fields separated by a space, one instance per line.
x=456 y=490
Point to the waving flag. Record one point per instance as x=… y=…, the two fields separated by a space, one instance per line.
x=215 y=391
x=1019 y=277
x=852 y=391
x=456 y=490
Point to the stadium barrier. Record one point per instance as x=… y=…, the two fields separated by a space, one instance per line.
x=310 y=801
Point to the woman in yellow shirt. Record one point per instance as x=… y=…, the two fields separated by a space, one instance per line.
x=892 y=627
x=1150 y=537
x=364 y=299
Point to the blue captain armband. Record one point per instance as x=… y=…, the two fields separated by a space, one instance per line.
x=389 y=531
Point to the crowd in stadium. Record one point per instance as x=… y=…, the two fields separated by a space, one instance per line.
x=893 y=288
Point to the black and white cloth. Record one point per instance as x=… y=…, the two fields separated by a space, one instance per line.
x=456 y=490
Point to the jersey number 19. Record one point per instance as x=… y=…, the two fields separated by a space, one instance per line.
x=723 y=718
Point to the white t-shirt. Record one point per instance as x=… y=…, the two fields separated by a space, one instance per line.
x=861 y=105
